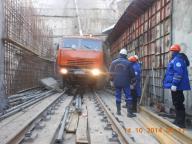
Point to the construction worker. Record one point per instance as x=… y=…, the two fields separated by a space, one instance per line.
x=122 y=74
x=136 y=87
x=177 y=80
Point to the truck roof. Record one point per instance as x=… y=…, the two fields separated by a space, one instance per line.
x=82 y=37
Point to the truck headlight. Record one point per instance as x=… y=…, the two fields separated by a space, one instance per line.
x=63 y=71
x=95 y=72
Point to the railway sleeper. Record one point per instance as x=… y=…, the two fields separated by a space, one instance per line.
x=114 y=137
x=30 y=136
x=46 y=117
x=108 y=126
x=40 y=125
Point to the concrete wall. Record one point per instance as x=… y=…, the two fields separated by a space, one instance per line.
x=182 y=34
x=2 y=89
x=95 y=15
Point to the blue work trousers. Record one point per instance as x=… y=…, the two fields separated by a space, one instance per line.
x=127 y=92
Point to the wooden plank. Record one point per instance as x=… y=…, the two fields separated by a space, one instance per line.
x=144 y=89
x=69 y=138
x=176 y=133
x=81 y=133
x=72 y=126
x=160 y=134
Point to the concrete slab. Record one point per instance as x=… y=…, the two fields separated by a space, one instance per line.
x=51 y=83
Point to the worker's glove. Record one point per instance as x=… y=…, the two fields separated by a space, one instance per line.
x=111 y=84
x=173 y=88
x=131 y=87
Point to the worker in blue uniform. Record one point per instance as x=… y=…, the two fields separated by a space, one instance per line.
x=135 y=87
x=122 y=75
x=177 y=80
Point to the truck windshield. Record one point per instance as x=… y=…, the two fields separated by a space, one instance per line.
x=77 y=43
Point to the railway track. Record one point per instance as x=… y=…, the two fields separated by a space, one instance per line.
x=60 y=119
x=126 y=127
x=22 y=126
x=148 y=122
x=121 y=132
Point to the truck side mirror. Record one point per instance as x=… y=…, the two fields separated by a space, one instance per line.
x=58 y=47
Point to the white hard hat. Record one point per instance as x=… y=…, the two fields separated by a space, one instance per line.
x=123 y=51
x=136 y=57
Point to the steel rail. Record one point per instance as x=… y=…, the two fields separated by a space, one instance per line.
x=22 y=99
x=35 y=97
x=78 y=106
x=60 y=135
x=19 y=136
x=123 y=137
x=20 y=96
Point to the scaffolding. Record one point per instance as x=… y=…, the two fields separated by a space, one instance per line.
x=28 y=47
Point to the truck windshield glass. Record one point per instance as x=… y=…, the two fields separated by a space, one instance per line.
x=77 y=43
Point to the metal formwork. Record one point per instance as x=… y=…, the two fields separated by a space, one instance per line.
x=28 y=47
x=147 y=34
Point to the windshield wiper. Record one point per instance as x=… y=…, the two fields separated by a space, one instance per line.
x=86 y=46
x=71 y=48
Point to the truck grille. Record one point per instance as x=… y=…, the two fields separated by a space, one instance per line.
x=81 y=63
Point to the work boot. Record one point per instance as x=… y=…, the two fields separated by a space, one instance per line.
x=129 y=110
x=118 y=108
x=180 y=118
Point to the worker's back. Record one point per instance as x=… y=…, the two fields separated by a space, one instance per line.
x=121 y=71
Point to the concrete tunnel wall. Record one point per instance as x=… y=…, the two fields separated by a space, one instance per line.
x=2 y=89
x=182 y=34
x=95 y=16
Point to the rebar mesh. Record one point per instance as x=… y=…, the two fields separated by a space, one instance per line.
x=149 y=36
x=28 y=47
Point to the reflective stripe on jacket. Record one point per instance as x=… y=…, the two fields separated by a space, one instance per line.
x=176 y=73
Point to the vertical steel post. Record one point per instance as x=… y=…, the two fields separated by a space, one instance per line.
x=3 y=98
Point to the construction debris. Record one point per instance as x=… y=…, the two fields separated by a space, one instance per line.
x=51 y=83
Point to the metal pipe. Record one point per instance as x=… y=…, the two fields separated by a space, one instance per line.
x=16 y=96
x=28 y=90
x=78 y=18
x=20 y=108
x=59 y=138
x=13 y=108
x=12 y=104
x=78 y=103
x=26 y=97
x=154 y=86
x=24 y=94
